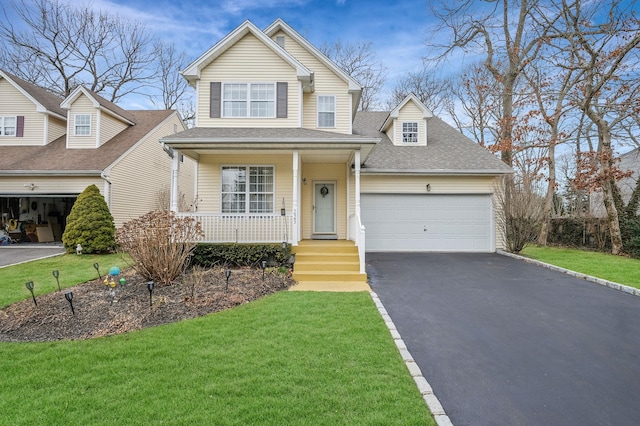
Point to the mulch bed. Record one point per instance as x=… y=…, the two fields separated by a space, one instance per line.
x=96 y=315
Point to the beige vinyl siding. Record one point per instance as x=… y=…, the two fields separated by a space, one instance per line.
x=143 y=172
x=209 y=185
x=82 y=105
x=109 y=126
x=409 y=113
x=14 y=103
x=439 y=185
x=49 y=185
x=324 y=172
x=248 y=61
x=57 y=128
x=326 y=82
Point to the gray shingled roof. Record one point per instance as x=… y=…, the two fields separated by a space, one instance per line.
x=111 y=106
x=447 y=150
x=55 y=157
x=47 y=99
x=246 y=134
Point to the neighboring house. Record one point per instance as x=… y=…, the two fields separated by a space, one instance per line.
x=52 y=149
x=284 y=156
x=629 y=162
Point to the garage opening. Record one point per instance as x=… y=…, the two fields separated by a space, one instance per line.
x=428 y=222
x=34 y=219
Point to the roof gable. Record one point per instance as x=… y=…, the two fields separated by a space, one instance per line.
x=280 y=25
x=98 y=102
x=395 y=113
x=192 y=71
x=45 y=102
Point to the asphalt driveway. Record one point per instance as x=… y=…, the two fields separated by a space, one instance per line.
x=504 y=342
x=10 y=255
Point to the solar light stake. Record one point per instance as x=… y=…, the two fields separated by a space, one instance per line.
x=227 y=273
x=150 y=285
x=69 y=296
x=56 y=274
x=95 y=265
x=264 y=266
x=29 y=285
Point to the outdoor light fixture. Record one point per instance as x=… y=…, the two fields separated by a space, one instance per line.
x=304 y=180
x=264 y=266
x=69 y=296
x=227 y=274
x=284 y=245
x=29 y=285
x=78 y=249
x=283 y=210
x=95 y=265
x=56 y=274
x=428 y=187
x=150 y=285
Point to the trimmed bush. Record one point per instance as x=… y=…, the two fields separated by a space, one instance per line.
x=90 y=224
x=209 y=255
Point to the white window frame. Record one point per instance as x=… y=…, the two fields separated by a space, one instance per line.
x=323 y=110
x=247 y=193
x=250 y=100
x=3 y=126
x=410 y=135
x=83 y=125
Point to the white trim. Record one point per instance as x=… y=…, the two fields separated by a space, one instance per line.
x=296 y=196
x=335 y=108
x=75 y=120
x=198 y=103
x=248 y=99
x=417 y=133
x=395 y=113
x=300 y=104
x=247 y=210
x=15 y=126
x=98 y=126
x=46 y=130
x=335 y=206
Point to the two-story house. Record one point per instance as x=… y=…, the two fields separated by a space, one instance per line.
x=53 y=148
x=284 y=156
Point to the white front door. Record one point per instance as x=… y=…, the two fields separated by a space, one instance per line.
x=324 y=212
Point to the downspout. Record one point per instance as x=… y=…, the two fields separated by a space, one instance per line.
x=175 y=168
x=106 y=189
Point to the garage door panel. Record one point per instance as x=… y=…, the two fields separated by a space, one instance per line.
x=426 y=222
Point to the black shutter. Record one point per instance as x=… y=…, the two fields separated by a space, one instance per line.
x=281 y=104
x=20 y=126
x=215 y=99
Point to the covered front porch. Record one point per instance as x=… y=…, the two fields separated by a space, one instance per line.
x=274 y=191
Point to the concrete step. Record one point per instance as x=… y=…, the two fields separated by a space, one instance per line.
x=324 y=265
x=327 y=257
x=329 y=276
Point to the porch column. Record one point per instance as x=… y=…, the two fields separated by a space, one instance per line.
x=175 y=168
x=296 y=192
x=357 y=173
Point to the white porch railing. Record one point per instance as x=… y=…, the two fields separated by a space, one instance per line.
x=357 y=234
x=252 y=228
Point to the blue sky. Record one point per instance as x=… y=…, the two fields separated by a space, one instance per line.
x=397 y=28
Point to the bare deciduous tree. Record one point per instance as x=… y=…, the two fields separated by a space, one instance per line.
x=360 y=62
x=428 y=88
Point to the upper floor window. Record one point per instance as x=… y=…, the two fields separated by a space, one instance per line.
x=410 y=132
x=82 y=123
x=256 y=100
x=326 y=111
x=7 y=126
x=254 y=196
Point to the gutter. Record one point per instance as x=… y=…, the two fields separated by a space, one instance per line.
x=51 y=173
x=435 y=172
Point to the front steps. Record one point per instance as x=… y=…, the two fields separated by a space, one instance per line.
x=328 y=265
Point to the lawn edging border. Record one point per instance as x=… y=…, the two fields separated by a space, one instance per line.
x=432 y=401
x=606 y=283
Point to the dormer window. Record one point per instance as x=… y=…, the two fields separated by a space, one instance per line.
x=7 y=126
x=82 y=125
x=410 y=132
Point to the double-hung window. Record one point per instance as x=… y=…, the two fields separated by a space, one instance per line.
x=410 y=132
x=256 y=100
x=247 y=189
x=7 y=126
x=82 y=123
x=326 y=111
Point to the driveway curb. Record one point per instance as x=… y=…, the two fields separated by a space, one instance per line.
x=424 y=387
x=600 y=281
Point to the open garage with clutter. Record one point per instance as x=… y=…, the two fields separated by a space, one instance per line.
x=25 y=218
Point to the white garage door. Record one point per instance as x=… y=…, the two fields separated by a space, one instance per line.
x=426 y=222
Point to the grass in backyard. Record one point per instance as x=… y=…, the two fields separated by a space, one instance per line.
x=299 y=358
x=613 y=268
x=73 y=270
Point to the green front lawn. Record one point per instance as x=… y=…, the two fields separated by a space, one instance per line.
x=290 y=358
x=613 y=268
x=73 y=270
